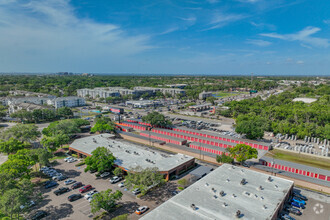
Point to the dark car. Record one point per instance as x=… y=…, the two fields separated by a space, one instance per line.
x=294 y=211
x=76 y=185
x=51 y=184
x=39 y=215
x=46 y=182
x=298 y=205
x=300 y=196
x=74 y=197
x=61 y=190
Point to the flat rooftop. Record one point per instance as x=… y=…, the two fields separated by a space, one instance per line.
x=162 y=135
x=253 y=202
x=130 y=155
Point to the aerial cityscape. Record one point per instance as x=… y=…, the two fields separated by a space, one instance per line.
x=165 y=110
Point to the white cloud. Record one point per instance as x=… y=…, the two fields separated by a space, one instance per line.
x=50 y=31
x=300 y=62
x=220 y=19
x=303 y=36
x=169 y=30
x=326 y=21
x=261 y=43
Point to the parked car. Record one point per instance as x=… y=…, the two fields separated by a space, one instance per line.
x=300 y=196
x=85 y=188
x=60 y=178
x=28 y=205
x=295 y=199
x=46 y=182
x=74 y=197
x=57 y=176
x=72 y=160
x=61 y=190
x=70 y=181
x=76 y=185
x=51 y=184
x=115 y=179
x=294 y=211
x=39 y=215
x=298 y=205
x=90 y=194
x=141 y=210
x=136 y=191
x=105 y=174
x=287 y=217
x=122 y=184
x=68 y=158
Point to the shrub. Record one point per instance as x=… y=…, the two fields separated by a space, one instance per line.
x=180 y=188
x=121 y=217
x=80 y=164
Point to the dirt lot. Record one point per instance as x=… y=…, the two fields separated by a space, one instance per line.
x=59 y=207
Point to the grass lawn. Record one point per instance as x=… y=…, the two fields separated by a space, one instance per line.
x=227 y=94
x=300 y=158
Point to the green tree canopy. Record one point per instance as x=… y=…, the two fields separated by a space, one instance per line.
x=156 y=119
x=243 y=152
x=144 y=178
x=105 y=200
x=65 y=112
x=104 y=124
x=12 y=145
x=22 y=132
x=224 y=159
x=118 y=172
x=251 y=125
x=101 y=160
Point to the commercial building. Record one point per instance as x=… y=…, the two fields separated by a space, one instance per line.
x=197 y=108
x=129 y=155
x=228 y=192
x=143 y=103
x=104 y=92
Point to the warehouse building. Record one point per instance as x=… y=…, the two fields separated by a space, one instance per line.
x=130 y=156
x=228 y=192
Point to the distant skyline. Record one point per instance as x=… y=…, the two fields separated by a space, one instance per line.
x=266 y=37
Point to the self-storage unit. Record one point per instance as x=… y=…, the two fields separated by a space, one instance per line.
x=167 y=139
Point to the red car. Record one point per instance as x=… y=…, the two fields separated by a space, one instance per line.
x=85 y=188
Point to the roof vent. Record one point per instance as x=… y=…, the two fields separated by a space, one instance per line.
x=227 y=180
x=262 y=198
x=260 y=187
x=270 y=179
x=193 y=207
x=264 y=207
x=224 y=204
x=206 y=184
x=238 y=214
x=222 y=193
x=243 y=181
x=215 y=196
x=276 y=186
x=234 y=196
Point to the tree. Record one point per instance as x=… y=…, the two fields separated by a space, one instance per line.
x=183 y=182
x=101 y=160
x=65 y=112
x=102 y=125
x=67 y=127
x=118 y=171
x=53 y=142
x=211 y=99
x=12 y=145
x=11 y=201
x=144 y=178
x=105 y=200
x=156 y=119
x=243 y=152
x=22 y=132
x=251 y=125
x=224 y=159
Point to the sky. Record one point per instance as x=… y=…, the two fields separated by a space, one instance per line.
x=265 y=37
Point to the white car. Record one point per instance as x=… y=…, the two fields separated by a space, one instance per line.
x=105 y=174
x=122 y=184
x=90 y=194
x=115 y=179
x=68 y=158
x=57 y=176
x=28 y=205
x=68 y=182
x=72 y=160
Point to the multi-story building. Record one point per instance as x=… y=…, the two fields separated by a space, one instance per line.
x=71 y=101
x=27 y=106
x=204 y=95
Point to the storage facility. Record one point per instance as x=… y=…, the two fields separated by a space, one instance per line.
x=228 y=192
x=129 y=155
x=167 y=139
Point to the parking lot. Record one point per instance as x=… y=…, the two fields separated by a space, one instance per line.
x=58 y=207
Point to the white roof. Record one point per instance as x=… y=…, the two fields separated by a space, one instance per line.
x=253 y=202
x=130 y=155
